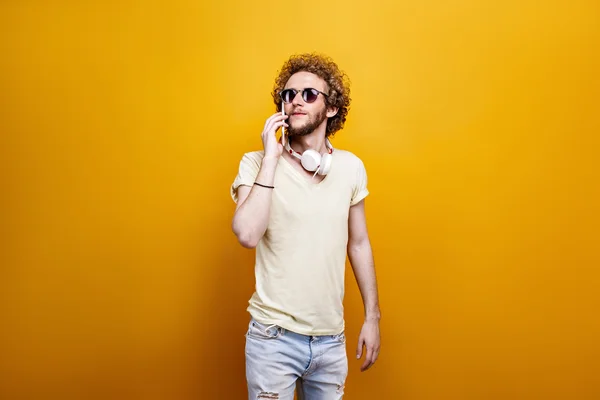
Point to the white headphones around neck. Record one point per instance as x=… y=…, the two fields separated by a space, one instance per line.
x=311 y=160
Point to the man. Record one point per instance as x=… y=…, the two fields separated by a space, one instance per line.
x=300 y=203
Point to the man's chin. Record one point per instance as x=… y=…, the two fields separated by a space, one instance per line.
x=298 y=131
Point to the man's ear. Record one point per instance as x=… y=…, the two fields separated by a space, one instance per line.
x=331 y=111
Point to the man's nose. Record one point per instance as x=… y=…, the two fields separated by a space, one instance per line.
x=298 y=100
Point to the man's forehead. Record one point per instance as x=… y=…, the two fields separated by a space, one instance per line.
x=305 y=79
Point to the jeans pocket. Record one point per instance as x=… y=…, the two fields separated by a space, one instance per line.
x=341 y=337
x=262 y=331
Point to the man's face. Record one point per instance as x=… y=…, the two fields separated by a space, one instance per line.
x=305 y=117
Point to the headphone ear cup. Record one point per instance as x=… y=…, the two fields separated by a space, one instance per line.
x=326 y=164
x=310 y=160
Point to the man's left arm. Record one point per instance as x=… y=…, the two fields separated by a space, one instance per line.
x=361 y=259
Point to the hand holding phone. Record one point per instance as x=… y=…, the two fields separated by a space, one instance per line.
x=269 y=134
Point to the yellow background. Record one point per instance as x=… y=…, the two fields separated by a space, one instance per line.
x=122 y=126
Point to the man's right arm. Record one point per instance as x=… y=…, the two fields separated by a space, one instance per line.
x=254 y=205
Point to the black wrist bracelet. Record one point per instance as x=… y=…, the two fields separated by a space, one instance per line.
x=265 y=186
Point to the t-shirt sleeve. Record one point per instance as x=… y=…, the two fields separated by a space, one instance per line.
x=359 y=190
x=248 y=170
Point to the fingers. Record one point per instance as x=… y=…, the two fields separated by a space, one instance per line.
x=272 y=128
x=371 y=356
x=368 y=359
x=275 y=118
x=270 y=142
x=359 y=349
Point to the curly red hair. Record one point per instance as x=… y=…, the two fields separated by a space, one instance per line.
x=336 y=80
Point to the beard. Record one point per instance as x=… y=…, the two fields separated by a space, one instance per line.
x=309 y=126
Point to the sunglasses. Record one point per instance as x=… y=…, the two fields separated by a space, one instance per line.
x=309 y=95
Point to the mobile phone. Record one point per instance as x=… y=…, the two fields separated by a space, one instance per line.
x=283 y=127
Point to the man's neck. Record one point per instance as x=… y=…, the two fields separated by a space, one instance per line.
x=314 y=141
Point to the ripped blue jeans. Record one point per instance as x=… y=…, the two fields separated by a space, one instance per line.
x=279 y=361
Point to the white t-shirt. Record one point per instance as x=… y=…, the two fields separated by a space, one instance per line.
x=301 y=258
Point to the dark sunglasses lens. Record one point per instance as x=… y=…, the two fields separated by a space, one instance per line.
x=310 y=95
x=288 y=95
